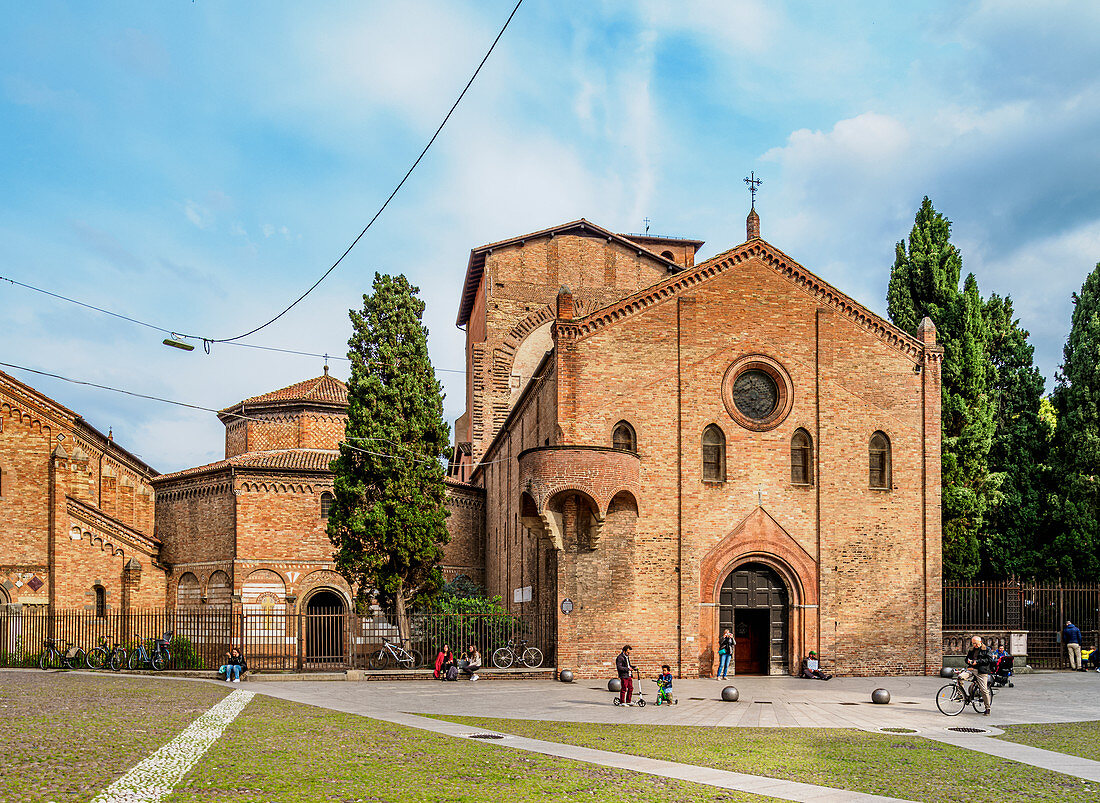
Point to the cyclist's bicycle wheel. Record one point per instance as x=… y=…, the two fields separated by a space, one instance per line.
x=950 y=700
x=979 y=703
x=502 y=658
x=379 y=659
x=532 y=657
x=117 y=659
x=97 y=658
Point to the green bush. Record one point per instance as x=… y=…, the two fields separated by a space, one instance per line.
x=183 y=654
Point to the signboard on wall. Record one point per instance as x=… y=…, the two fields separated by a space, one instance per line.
x=522 y=594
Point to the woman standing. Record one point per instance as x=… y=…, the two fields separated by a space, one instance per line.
x=725 y=650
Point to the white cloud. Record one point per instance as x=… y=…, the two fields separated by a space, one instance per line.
x=199 y=215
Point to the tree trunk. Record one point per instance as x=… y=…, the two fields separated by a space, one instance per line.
x=402 y=616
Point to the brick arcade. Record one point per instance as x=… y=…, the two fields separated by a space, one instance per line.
x=652 y=450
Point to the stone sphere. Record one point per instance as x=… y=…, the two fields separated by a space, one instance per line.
x=947 y=672
x=566 y=676
x=614 y=685
x=880 y=696
x=730 y=694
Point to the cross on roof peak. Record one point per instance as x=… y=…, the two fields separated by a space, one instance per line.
x=754 y=184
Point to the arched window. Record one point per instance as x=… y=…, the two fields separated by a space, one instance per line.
x=714 y=454
x=668 y=255
x=326 y=504
x=879 y=452
x=802 y=458
x=100 y=601
x=622 y=437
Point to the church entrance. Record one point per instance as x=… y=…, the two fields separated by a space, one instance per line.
x=753 y=604
x=325 y=624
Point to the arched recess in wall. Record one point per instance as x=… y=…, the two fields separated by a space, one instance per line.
x=264 y=603
x=188 y=592
x=4 y=598
x=219 y=591
x=579 y=517
x=527 y=359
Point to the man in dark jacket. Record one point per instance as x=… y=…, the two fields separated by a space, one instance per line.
x=1071 y=637
x=626 y=676
x=979 y=666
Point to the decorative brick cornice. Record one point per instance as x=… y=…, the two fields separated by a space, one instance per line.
x=823 y=292
x=97 y=519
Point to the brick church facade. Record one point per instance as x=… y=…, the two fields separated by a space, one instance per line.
x=653 y=450
x=668 y=449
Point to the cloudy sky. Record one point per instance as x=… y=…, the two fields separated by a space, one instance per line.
x=199 y=164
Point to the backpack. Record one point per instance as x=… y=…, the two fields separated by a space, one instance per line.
x=452 y=673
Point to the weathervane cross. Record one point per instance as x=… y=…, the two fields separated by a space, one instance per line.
x=646 y=222
x=754 y=184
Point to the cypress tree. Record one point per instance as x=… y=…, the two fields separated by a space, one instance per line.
x=387 y=521
x=1075 y=505
x=1013 y=543
x=925 y=282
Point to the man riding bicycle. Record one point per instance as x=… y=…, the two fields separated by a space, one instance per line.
x=979 y=666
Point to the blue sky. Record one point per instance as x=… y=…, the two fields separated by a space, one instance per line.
x=199 y=164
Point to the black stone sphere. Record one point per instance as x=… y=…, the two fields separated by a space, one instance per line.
x=730 y=694
x=566 y=676
x=880 y=696
x=614 y=685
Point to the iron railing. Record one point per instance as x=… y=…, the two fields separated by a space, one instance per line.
x=271 y=638
x=996 y=609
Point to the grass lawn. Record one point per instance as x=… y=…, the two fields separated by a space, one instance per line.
x=897 y=766
x=67 y=736
x=1073 y=738
x=294 y=753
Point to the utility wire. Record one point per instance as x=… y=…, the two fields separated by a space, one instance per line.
x=385 y=203
x=229 y=413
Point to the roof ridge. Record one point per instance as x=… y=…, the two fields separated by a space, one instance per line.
x=782 y=263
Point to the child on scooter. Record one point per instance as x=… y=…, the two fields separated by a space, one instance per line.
x=664 y=685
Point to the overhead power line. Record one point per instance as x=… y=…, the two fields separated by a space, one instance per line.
x=385 y=203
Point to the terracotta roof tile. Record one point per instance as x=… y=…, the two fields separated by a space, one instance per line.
x=324 y=389
x=285 y=459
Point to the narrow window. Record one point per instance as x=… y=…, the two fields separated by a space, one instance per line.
x=326 y=504
x=100 y=601
x=622 y=437
x=802 y=458
x=880 y=461
x=714 y=454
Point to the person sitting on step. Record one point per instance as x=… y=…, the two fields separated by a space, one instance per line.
x=811 y=668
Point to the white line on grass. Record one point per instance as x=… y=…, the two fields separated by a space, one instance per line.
x=155 y=777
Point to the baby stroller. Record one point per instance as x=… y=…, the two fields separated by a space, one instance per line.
x=1002 y=673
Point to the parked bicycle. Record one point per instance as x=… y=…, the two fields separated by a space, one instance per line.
x=157 y=658
x=107 y=655
x=517 y=652
x=58 y=654
x=952 y=698
x=395 y=654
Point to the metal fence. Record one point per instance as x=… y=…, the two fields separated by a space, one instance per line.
x=996 y=610
x=271 y=638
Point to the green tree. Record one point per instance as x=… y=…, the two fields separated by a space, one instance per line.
x=1075 y=504
x=387 y=522
x=925 y=282
x=1016 y=528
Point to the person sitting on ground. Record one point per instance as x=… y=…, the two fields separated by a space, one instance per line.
x=664 y=685
x=233 y=667
x=471 y=662
x=811 y=668
x=440 y=670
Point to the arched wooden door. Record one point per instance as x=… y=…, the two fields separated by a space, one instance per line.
x=753 y=603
